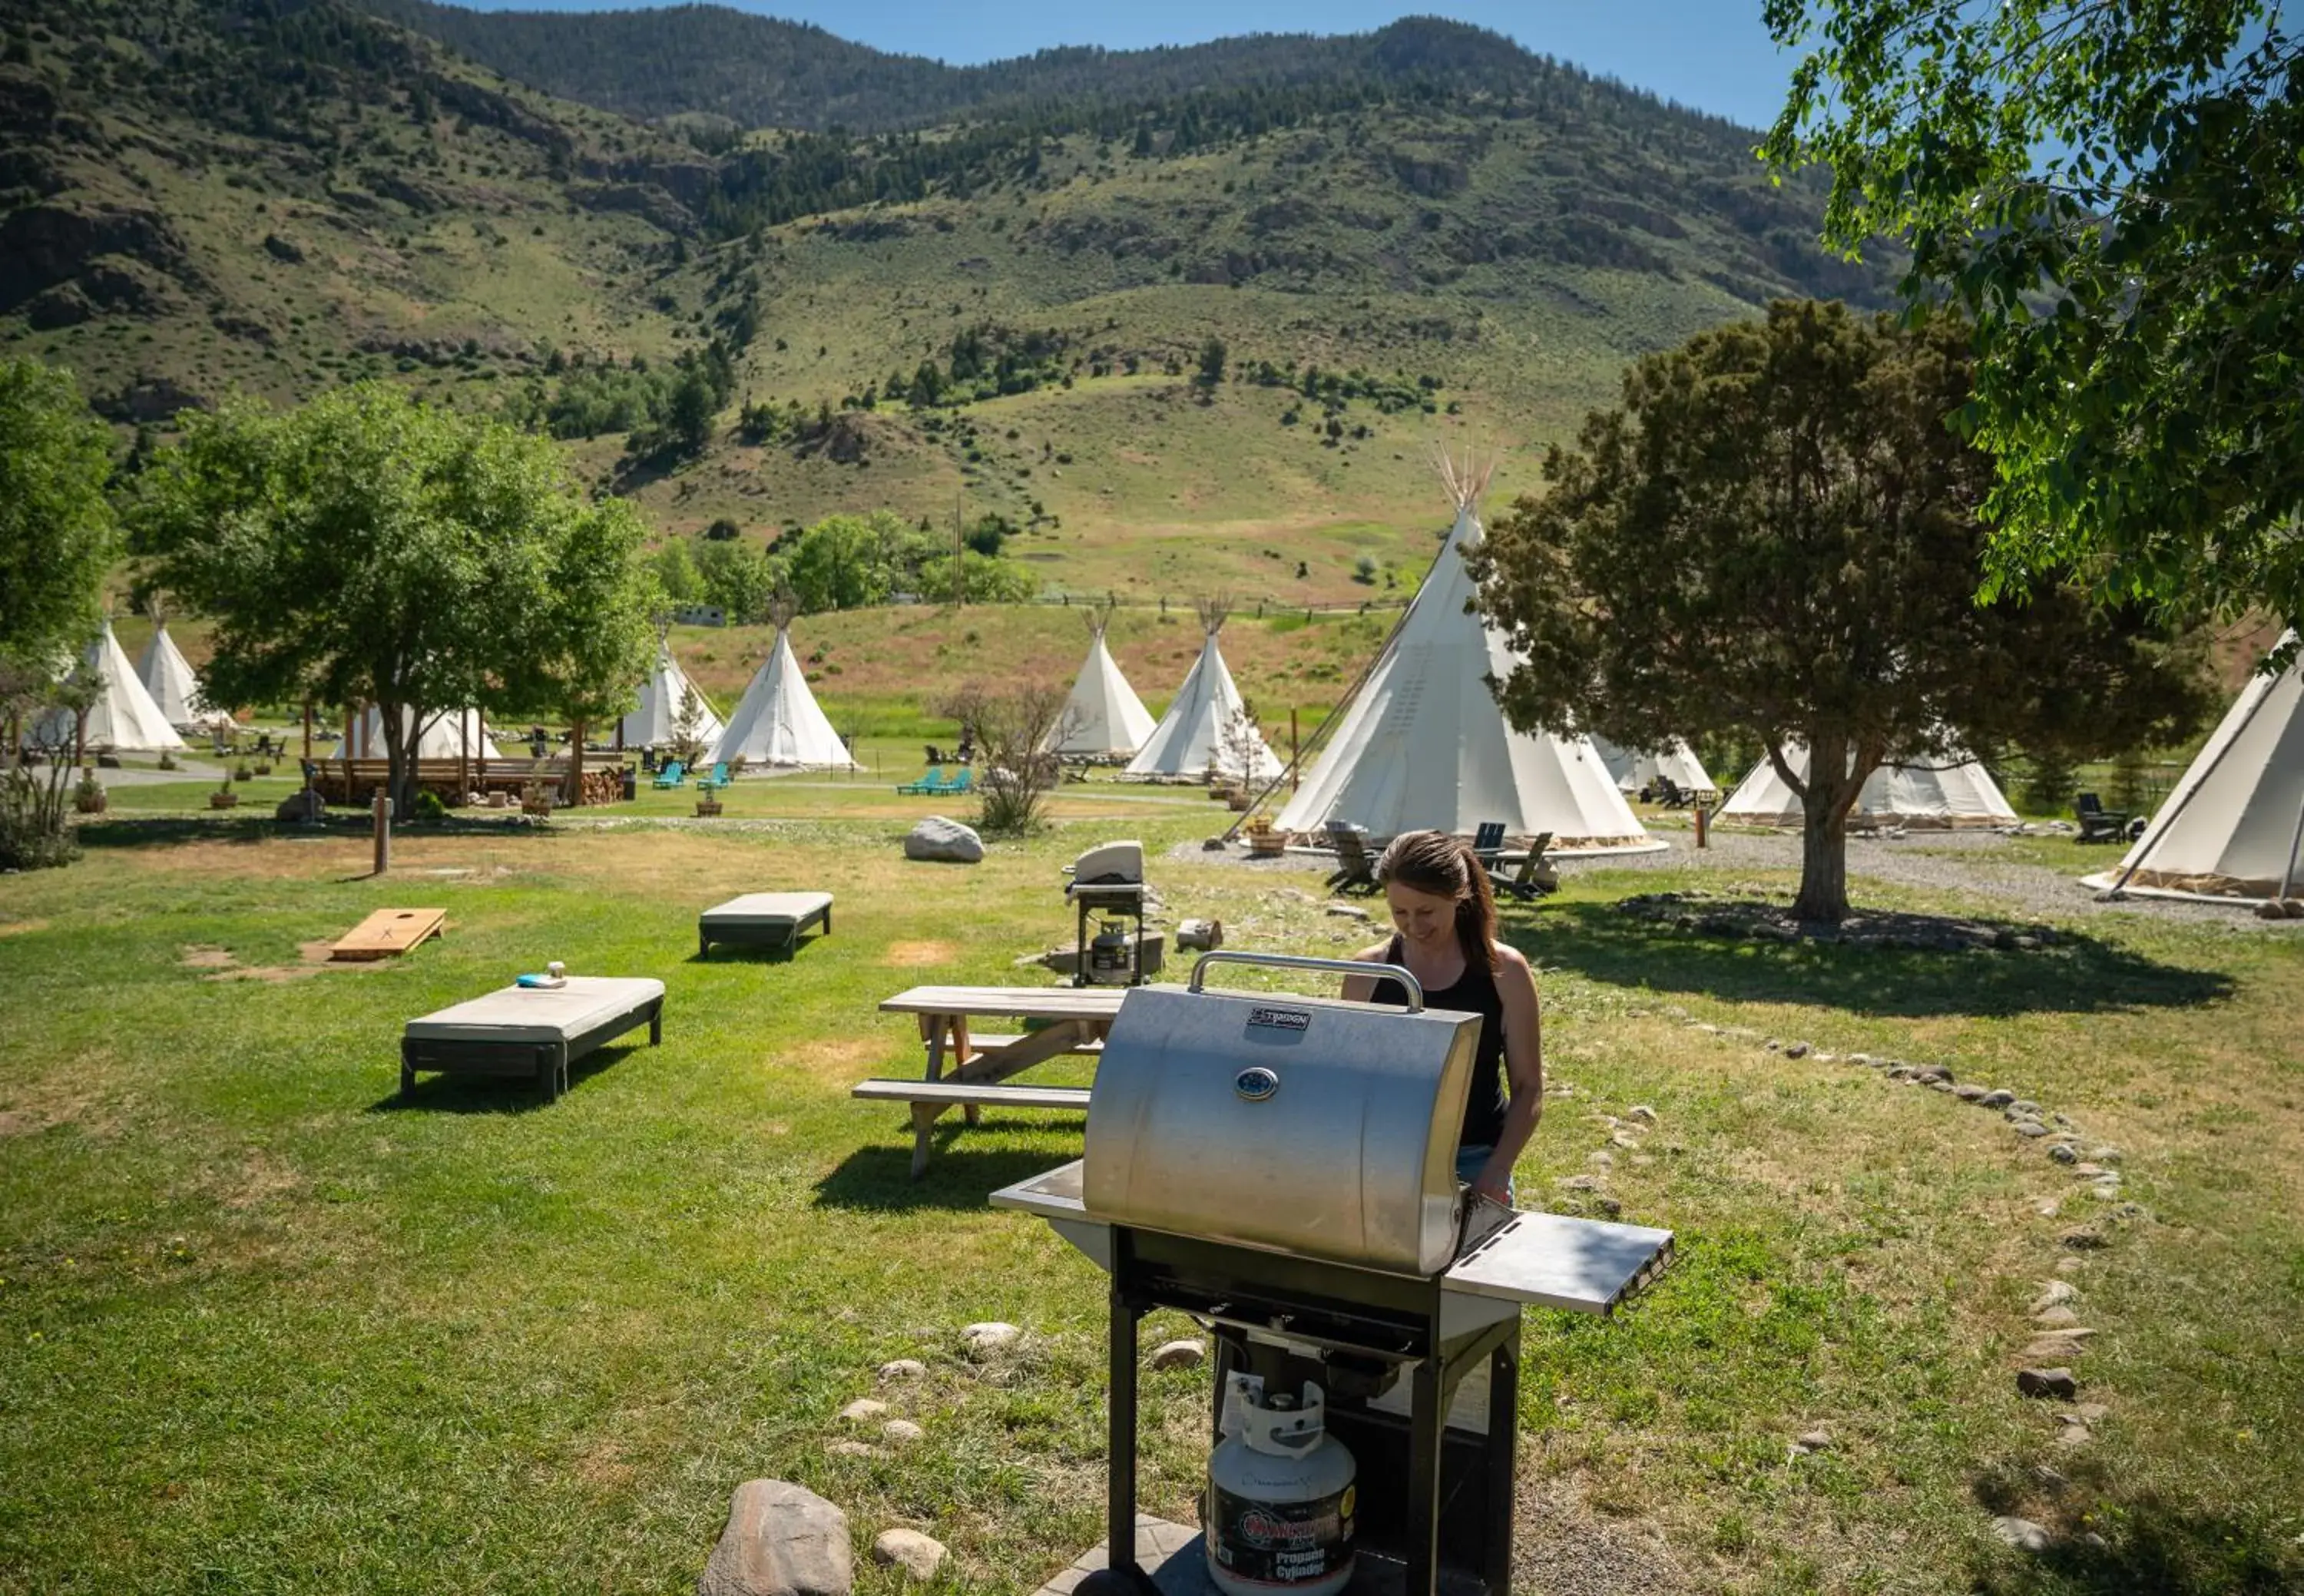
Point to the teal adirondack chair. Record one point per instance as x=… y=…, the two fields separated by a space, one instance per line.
x=715 y=781
x=671 y=775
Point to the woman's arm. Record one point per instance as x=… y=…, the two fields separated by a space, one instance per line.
x=1361 y=989
x=1523 y=1069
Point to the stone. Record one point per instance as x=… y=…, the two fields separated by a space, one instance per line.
x=863 y=1410
x=2055 y=1317
x=1624 y=1139
x=2025 y=1106
x=852 y=1449
x=989 y=1335
x=1641 y=1111
x=1797 y=1051
x=1815 y=1441
x=1995 y=1098
x=1577 y=1182
x=1179 y=1355
x=304 y=808
x=2055 y=1347
x=1934 y=1075
x=902 y=1432
x=2090 y=1412
x=2105 y=1190
x=2064 y=1152
x=2030 y=1128
x=918 y=1555
x=782 y=1540
x=2022 y=1533
x=1859 y=1058
x=2086 y=1171
x=1773 y=1045
x=2104 y=1155
x=1603 y=1159
x=2070 y=1265
x=1968 y=1092
x=2058 y=1383
x=943 y=840
x=2074 y=1435
x=903 y=1369
x=1348 y=912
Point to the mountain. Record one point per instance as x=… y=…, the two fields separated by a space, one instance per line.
x=762 y=71
x=1168 y=339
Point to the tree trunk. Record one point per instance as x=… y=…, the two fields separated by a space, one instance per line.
x=397 y=723
x=1823 y=856
x=576 y=766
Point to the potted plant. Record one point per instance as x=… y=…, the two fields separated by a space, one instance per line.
x=1264 y=842
x=224 y=797
x=536 y=799
x=168 y=760
x=241 y=772
x=89 y=797
x=707 y=804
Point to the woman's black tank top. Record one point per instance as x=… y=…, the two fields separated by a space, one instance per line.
x=1473 y=993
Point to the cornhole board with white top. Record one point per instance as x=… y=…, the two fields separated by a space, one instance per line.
x=762 y=920
x=531 y=1031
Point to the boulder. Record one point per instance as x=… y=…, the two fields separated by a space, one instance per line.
x=2022 y=1534
x=902 y=1432
x=947 y=841
x=989 y=1335
x=918 y=1555
x=863 y=1411
x=903 y=1369
x=302 y=808
x=2058 y=1383
x=782 y=1540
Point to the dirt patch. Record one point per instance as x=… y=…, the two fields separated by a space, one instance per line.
x=913 y=956
x=198 y=957
x=259 y=1179
x=222 y=965
x=840 y=1059
x=1561 y=1545
x=603 y=1466
x=22 y=927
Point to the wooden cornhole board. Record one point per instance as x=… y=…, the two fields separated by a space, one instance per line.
x=387 y=933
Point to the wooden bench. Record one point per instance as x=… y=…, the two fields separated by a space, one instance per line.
x=762 y=920
x=955 y=1094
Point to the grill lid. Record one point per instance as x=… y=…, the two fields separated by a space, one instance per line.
x=1305 y=1124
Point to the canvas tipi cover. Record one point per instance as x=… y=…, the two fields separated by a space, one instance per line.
x=657 y=721
x=1927 y=794
x=2230 y=828
x=123 y=718
x=778 y=722
x=1187 y=741
x=1677 y=763
x=1423 y=746
x=444 y=738
x=167 y=676
x=1103 y=718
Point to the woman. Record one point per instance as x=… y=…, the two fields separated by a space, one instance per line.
x=1446 y=922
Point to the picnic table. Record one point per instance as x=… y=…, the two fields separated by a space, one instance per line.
x=967 y=1068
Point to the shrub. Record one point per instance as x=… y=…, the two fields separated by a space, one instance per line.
x=429 y=809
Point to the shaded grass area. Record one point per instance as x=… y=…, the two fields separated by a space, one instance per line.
x=267 y=1327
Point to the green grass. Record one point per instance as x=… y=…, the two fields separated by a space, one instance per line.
x=267 y=1327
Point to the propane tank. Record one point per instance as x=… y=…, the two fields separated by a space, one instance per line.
x=1109 y=962
x=1280 y=1496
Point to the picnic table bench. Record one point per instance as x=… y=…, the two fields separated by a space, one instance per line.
x=966 y=1068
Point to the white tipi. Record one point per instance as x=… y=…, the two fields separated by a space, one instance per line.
x=2234 y=825
x=123 y=718
x=777 y=722
x=1677 y=764
x=1423 y=746
x=1103 y=718
x=657 y=721
x=448 y=734
x=167 y=676
x=1191 y=737
x=1925 y=794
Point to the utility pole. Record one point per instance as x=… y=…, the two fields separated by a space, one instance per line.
x=958 y=570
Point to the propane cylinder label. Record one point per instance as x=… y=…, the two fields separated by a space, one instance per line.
x=1281 y=1543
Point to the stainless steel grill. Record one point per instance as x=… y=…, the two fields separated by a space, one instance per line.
x=1283 y=1168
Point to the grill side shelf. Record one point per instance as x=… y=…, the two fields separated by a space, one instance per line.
x=1586 y=1266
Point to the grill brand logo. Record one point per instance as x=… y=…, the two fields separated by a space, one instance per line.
x=1255 y=1083
x=1281 y=1019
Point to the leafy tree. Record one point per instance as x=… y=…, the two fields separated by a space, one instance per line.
x=845 y=562
x=738 y=578
x=676 y=572
x=1212 y=362
x=1776 y=536
x=2138 y=163
x=369 y=549
x=57 y=533
x=689 y=414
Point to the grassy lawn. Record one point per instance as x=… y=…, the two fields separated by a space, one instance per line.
x=268 y=1328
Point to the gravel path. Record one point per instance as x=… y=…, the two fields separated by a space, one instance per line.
x=1972 y=862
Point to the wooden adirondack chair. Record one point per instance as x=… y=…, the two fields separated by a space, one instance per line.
x=1355 y=868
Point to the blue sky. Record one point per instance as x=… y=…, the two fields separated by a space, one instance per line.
x=1710 y=53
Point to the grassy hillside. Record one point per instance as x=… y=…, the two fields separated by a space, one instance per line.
x=204 y=195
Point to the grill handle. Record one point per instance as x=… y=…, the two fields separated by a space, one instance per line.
x=1290 y=961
